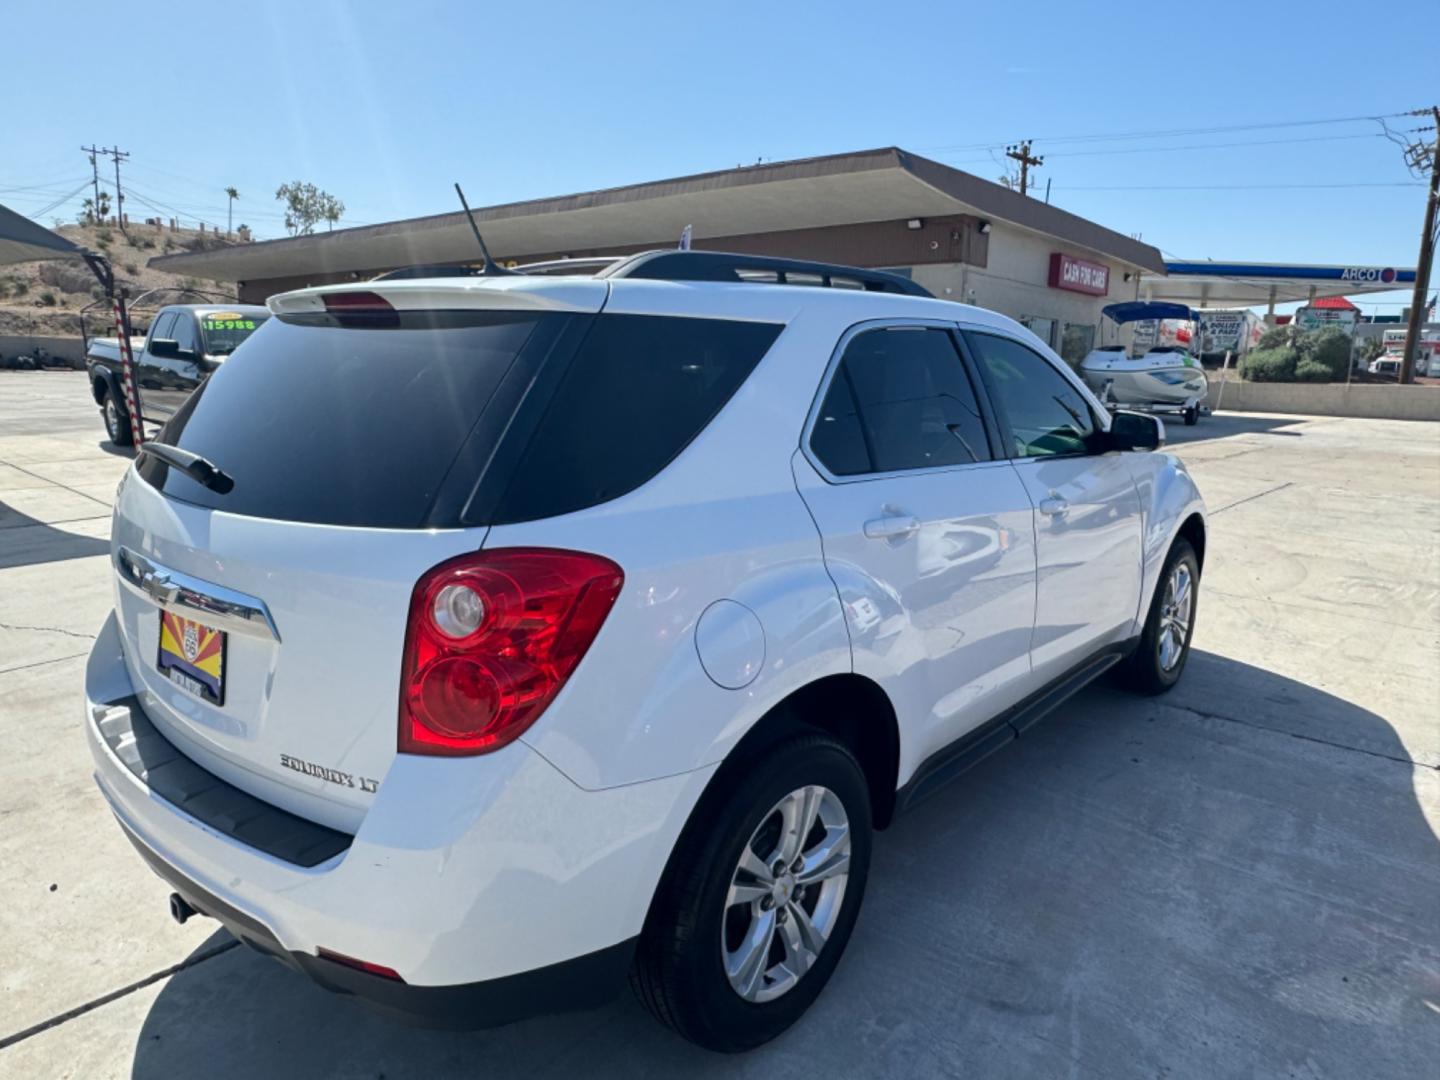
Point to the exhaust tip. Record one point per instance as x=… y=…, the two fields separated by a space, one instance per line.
x=180 y=909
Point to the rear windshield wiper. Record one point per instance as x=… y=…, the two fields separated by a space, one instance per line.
x=194 y=466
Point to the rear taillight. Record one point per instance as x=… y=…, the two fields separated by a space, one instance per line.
x=491 y=639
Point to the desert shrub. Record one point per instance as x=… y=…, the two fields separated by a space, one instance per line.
x=19 y=286
x=1269 y=365
x=48 y=298
x=1309 y=370
x=1277 y=337
x=4 y=289
x=131 y=268
x=1329 y=351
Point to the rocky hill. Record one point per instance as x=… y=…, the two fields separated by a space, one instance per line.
x=45 y=298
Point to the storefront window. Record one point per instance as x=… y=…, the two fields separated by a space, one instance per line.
x=1076 y=343
x=1044 y=329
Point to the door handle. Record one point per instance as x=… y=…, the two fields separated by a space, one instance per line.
x=891 y=527
x=1053 y=506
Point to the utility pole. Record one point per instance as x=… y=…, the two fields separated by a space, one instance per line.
x=1021 y=154
x=95 y=179
x=1416 y=155
x=119 y=156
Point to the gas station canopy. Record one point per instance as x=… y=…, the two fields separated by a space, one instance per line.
x=21 y=240
x=1244 y=284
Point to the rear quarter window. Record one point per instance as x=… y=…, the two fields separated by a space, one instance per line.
x=638 y=390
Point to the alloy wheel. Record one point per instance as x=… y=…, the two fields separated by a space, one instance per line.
x=1175 y=611
x=786 y=894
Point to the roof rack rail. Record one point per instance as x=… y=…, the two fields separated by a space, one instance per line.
x=675 y=265
x=428 y=270
x=589 y=264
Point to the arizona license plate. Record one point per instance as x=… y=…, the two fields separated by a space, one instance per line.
x=193 y=657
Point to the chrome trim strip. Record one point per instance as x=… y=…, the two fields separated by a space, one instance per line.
x=214 y=605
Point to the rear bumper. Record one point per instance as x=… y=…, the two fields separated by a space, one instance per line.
x=493 y=886
x=585 y=982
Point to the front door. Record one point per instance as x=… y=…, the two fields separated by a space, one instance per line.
x=1088 y=523
x=927 y=533
x=149 y=370
x=178 y=376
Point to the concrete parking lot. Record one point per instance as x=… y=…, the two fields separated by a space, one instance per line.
x=1241 y=878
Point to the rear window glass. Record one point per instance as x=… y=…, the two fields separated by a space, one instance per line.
x=343 y=425
x=638 y=390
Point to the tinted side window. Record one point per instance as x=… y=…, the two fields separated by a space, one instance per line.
x=184 y=332
x=163 y=325
x=838 y=439
x=638 y=390
x=900 y=399
x=1047 y=416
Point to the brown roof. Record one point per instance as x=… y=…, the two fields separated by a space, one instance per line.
x=838 y=189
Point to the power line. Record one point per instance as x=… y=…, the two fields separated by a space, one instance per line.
x=63 y=199
x=49 y=187
x=1173 y=132
x=1238 y=187
x=1190 y=146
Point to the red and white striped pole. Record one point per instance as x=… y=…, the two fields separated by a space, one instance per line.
x=127 y=369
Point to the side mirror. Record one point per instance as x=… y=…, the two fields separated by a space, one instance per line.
x=1136 y=431
x=164 y=347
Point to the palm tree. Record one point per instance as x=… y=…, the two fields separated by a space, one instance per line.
x=230 y=210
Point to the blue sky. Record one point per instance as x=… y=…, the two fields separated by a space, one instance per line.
x=385 y=104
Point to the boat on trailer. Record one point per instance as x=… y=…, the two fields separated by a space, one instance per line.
x=1165 y=379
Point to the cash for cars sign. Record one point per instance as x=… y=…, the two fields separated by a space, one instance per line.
x=1078 y=275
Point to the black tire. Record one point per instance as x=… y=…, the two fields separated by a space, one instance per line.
x=1192 y=416
x=1144 y=673
x=679 y=972
x=116 y=416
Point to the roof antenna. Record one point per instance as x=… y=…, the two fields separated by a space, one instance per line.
x=491 y=267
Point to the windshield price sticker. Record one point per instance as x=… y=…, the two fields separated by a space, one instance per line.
x=228 y=324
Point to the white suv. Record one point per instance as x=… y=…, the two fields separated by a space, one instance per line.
x=479 y=641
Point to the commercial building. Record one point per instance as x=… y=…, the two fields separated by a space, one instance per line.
x=960 y=236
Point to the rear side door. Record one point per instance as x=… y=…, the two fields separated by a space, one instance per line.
x=926 y=530
x=1087 y=513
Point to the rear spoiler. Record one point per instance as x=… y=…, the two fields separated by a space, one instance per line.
x=453 y=294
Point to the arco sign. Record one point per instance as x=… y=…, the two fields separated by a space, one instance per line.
x=1369 y=274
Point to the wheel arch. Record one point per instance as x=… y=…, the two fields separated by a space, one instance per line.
x=101 y=383
x=851 y=708
x=1193 y=530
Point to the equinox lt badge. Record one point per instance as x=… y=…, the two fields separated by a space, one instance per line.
x=334 y=776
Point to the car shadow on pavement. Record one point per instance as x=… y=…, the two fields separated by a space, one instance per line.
x=117 y=451
x=26 y=541
x=1226 y=425
x=1236 y=878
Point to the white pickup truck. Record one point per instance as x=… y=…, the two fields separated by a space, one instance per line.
x=185 y=343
